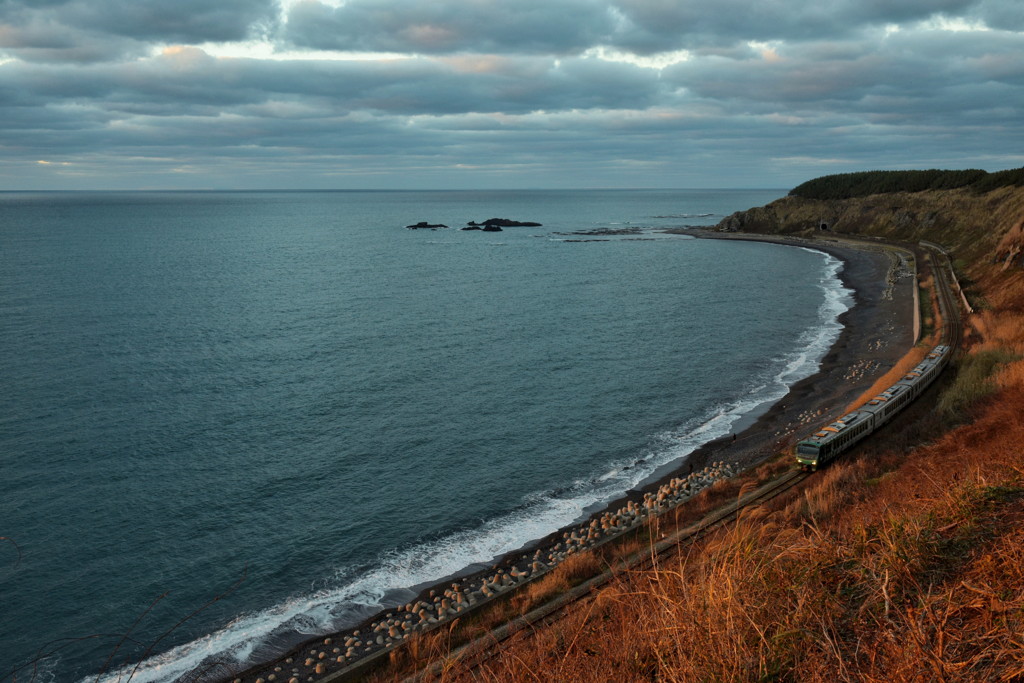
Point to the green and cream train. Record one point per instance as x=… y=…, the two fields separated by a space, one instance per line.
x=828 y=442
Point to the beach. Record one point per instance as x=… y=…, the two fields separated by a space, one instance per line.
x=876 y=333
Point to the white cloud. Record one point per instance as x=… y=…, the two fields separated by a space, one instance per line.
x=953 y=24
x=658 y=60
x=272 y=51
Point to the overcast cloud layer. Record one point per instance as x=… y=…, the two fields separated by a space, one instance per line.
x=505 y=93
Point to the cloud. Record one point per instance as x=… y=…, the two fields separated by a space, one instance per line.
x=177 y=21
x=1000 y=14
x=574 y=26
x=923 y=66
x=36 y=37
x=102 y=30
x=660 y=25
x=635 y=92
x=450 y=26
x=189 y=79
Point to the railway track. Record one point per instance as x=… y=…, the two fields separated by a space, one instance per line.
x=949 y=307
x=471 y=656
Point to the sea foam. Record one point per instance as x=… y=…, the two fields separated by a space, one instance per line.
x=392 y=578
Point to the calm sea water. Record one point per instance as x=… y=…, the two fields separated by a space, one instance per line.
x=291 y=399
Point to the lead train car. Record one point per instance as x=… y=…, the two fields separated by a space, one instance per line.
x=828 y=442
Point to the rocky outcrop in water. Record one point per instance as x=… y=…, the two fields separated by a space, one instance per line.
x=503 y=223
x=423 y=225
x=605 y=232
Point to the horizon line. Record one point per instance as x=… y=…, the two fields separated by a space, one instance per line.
x=380 y=189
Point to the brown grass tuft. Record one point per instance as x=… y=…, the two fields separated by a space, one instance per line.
x=902 y=367
x=895 y=565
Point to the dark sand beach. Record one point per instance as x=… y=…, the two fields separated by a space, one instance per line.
x=877 y=332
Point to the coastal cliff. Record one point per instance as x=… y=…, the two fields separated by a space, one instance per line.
x=973 y=227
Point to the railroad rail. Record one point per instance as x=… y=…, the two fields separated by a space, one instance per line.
x=952 y=331
x=471 y=655
x=474 y=653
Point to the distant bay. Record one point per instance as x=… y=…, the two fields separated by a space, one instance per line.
x=293 y=393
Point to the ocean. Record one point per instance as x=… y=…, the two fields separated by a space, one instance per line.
x=234 y=420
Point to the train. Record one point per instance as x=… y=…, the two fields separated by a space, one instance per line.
x=826 y=444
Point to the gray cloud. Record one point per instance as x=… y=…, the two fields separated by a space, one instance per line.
x=504 y=93
x=189 y=80
x=529 y=26
x=1000 y=14
x=101 y=30
x=37 y=36
x=689 y=24
x=573 y=26
x=902 y=67
x=177 y=21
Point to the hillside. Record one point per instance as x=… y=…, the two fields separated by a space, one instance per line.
x=969 y=225
x=902 y=561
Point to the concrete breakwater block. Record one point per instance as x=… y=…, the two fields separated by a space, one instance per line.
x=444 y=604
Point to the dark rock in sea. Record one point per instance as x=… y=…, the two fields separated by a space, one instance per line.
x=490 y=228
x=423 y=224
x=471 y=227
x=605 y=232
x=506 y=223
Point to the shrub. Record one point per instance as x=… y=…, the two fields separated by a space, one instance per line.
x=973 y=382
x=865 y=183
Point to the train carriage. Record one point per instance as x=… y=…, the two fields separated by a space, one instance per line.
x=828 y=442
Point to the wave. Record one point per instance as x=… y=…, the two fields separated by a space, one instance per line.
x=819 y=339
x=392 y=579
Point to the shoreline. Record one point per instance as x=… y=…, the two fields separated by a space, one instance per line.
x=876 y=333
x=874 y=336
x=846 y=370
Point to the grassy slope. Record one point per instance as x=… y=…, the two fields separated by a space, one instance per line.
x=904 y=561
x=969 y=225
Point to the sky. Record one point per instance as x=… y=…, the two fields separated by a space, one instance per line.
x=477 y=94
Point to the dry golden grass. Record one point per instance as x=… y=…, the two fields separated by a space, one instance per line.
x=912 y=357
x=931 y=592
x=975 y=379
x=896 y=564
x=436 y=647
x=902 y=367
x=892 y=566
x=1000 y=332
x=972 y=226
x=572 y=572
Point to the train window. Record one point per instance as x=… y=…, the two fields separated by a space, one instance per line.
x=807 y=449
